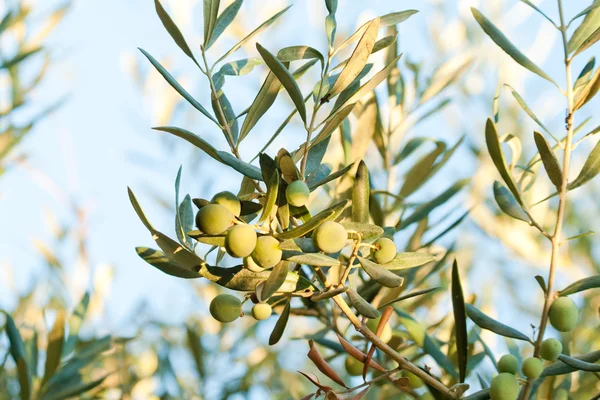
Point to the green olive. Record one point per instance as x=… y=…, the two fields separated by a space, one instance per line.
x=550 y=349
x=229 y=201
x=267 y=253
x=384 y=251
x=261 y=311
x=386 y=334
x=297 y=193
x=330 y=237
x=532 y=367
x=252 y=265
x=225 y=308
x=508 y=363
x=504 y=387
x=240 y=240
x=214 y=219
x=353 y=366
x=563 y=314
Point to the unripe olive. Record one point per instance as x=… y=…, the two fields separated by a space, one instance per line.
x=508 y=363
x=385 y=250
x=214 y=219
x=414 y=381
x=386 y=334
x=225 y=308
x=240 y=240
x=267 y=253
x=550 y=349
x=229 y=201
x=561 y=394
x=504 y=387
x=297 y=193
x=330 y=237
x=261 y=311
x=251 y=264
x=532 y=367
x=353 y=366
x=563 y=314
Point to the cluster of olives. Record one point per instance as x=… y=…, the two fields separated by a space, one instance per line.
x=226 y=308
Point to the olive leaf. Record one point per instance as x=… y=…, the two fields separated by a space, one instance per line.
x=588 y=26
x=502 y=41
x=159 y=260
x=330 y=23
x=445 y=75
x=280 y=325
x=380 y=274
x=493 y=144
x=579 y=364
x=420 y=171
x=322 y=365
x=286 y=79
x=332 y=123
x=587 y=92
x=527 y=109
x=272 y=192
x=561 y=368
x=536 y=8
x=275 y=280
x=409 y=296
x=360 y=194
x=225 y=115
x=17 y=351
x=363 y=307
x=589 y=42
x=314 y=259
x=507 y=202
x=460 y=322
x=409 y=260
x=366 y=231
x=591 y=282
x=56 y=341
x=222 y=22
x=328 y=294
x=549 y=160
x=357 y=60
x=295 y=53
x=255 y=32
x=331 y=177
x=240 y=166
x=173 y=30
x=262 y=102
x=491 y=324
x=590 y=169
x=178 y=88
x=211 y=10
x=314 y=222
x=191 y=138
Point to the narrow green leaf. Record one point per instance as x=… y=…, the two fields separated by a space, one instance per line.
x=357 y=60
x=262 y=102
x=69 y=390
x=173 y=30
x=244 y=280
x=75 y=321
x=328 y=294
x=527 y=109
x=589 y=42
x=549 y=159
x=325 y=215
x=275 y=280
x=56 y=340
x=585 y=75
x=332 y=123
x=588 y=26
x=314 y=259
x=314 y=158
x=159 y=260
x=331 y=177
x=295 y=53
x=444 y=76
x=380 y=274
x=460 y=322
x=590 y=169
x=255 y=32
x=493 y=144
x=409 y=260
x=418 y=174
x=17 y=351
x=491 y=324
x=502 y=41
x=561 y=368
x=240 y=166
x=330 y=23
x=409 y=296
x=587 y=92
x=507 y=202
x=228 y=119
x=536 y=8
x=223 y=21
x=366 y=230
x=585 y=11
x=363 y=307
x=272 y=192
x=280 y=325
x=579 y=364
x=591 y=282
x=211 y=10
x=286 y=79
x=360 y=194
x=191 y=138
x=175 y=85
x=235 y=68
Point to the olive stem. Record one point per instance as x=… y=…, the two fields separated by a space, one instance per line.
x=384 y=375
x=555 y=238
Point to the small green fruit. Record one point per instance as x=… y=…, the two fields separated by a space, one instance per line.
x=297 y=193
x=240 y=241
x=564 y=314
x=561 y=394
x=532 y=367
x=550 y=349
x=353 y=366
x=252 y=265
x=229 y=201
x=225 y=308
x=214 y=219
x=414 y=381
x=384 y=252
x=267 y=253
x=330 y=237
x=386 y=334
x=261 y=311
x=508 y=363
x=504 y=387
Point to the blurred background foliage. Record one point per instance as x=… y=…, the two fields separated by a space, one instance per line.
x=142 y=351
